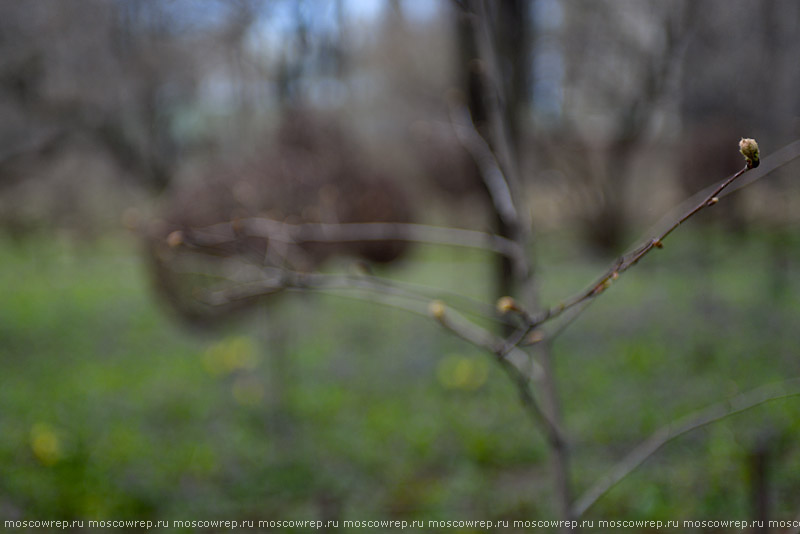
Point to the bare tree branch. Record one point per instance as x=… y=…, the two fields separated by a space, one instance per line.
x=521 y=380
x=493 y=177
x=276 y=279
x=782 y=157
x=626 y=261
x=714 y=413
x=349 y=232
x=508 y=355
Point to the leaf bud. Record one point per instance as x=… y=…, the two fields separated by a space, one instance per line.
x=749 y=149
x=437 y=309
x=506 y=304
x=175 y=239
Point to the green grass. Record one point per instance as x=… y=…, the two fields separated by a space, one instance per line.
x=325 y=407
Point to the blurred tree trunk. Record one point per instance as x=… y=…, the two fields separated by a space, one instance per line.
x=509 y=31
x=759 y=470
x=513 y=51
x=291 y=65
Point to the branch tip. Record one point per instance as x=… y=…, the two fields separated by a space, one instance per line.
x=749 y=149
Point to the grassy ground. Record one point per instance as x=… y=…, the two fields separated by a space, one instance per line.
x=322 y=407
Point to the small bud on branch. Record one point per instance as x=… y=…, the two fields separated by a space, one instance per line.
x=749 y=149
x=437 y=309
x=507 y=304
x=175 y=239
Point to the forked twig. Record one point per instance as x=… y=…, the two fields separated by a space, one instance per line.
x=493 y=177
x=501 y=350
x=506 y=350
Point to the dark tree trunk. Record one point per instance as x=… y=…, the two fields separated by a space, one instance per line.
x=508 y=28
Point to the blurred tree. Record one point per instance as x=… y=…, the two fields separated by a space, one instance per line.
x=310 y=171
x=621 y=60
x=724 y=99
x=494 y=51
x=113 y=80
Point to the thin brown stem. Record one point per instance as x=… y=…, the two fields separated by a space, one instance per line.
x=625 y=262
x=349 y=232
x=782 y=157
x=493 y=177
x=384 y=291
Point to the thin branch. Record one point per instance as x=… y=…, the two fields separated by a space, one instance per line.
x=576 y=312
x=778 y=159
x=714 y=413
x=349 y=232
x=490 y=171
x=509 y=356
x=494 y=100
x=284 y=279
x=626 y=261
x=262 y=280
x=531 y=405
x=467 y=305
x=364 y=291
x=501 y=349
x=371 y=289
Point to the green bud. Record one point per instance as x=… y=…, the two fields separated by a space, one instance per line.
x=749 y=149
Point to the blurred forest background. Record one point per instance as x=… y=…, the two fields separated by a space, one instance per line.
x=122 y=120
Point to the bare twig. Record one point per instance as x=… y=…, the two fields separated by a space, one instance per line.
x=349 y=232
x=778 y=159
x=490 y=170
x=247 y=279
x=280 y=279
x=625 y=262
x=405 y=297
x=576 y=312
x=768 y=165
x=716 y=412
x=522 y=382
x=501 y=349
